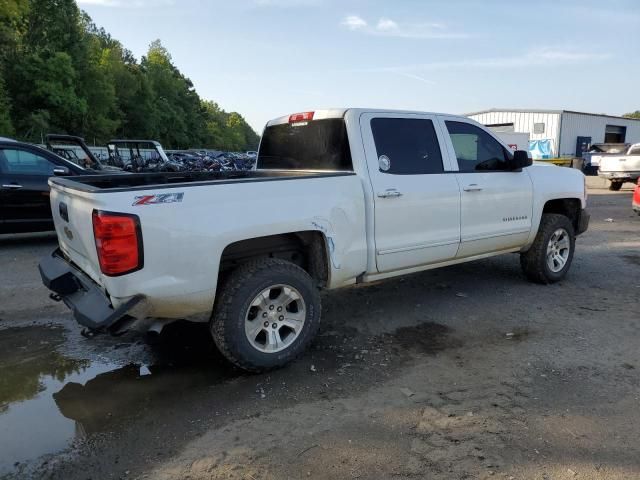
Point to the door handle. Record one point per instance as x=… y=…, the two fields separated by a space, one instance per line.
x=390 y=193
x=12 y=186
x=472 y=188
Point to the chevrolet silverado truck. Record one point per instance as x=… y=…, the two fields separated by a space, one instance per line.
x=339 y=197
x=621 y=168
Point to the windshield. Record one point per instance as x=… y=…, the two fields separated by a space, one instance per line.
x=313 y=145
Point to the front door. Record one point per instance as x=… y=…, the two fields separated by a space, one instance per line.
x=497 y=204
x=416 y=197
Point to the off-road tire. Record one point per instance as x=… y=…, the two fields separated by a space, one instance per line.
x=534 y=261
x=615 y=186
x=227 y=323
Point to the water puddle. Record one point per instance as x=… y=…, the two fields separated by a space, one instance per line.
x=47 y=400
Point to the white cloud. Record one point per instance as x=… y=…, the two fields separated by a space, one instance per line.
x=126 y=3
x=287 y=3
x=550 y=54
x=541 y=57
x=416 y=77
x=386 y=24
x=104 y=3
x=354 y=22
x=390 y=28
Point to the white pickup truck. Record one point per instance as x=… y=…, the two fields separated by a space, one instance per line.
x=339 y=197
x=621 y=168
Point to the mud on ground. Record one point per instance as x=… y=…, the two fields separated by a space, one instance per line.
x=464 y=372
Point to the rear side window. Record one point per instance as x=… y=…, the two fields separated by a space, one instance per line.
x=406 y=146
x=313 y=145
x=23 y=162
x=475 y=149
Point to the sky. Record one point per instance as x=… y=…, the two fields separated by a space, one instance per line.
x=268 y=58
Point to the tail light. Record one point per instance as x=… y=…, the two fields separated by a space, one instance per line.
x=118 y=242
x=301 y=117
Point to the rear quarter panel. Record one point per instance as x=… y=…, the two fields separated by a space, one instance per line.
x=184 y=241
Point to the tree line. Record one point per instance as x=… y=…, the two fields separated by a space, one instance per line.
x=60 y=73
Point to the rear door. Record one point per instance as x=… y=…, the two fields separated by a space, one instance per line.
x=416 y=196
x=496 y=204
x=24 y=192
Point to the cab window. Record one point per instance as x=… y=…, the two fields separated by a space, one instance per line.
x=23 y=162
x=406 y=146
x=475 y=149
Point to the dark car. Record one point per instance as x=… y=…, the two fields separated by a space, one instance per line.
x=24 y=191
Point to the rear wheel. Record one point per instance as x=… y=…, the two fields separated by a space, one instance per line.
x=615 y=186
x=549 y=258
x=266 y=314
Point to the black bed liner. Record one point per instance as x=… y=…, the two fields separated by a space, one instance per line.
x=148 y=181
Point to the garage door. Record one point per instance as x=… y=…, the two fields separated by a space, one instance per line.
x=614 y=134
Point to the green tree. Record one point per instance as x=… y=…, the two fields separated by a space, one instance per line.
x=13 y=14
x=6 y=127
x=635 y=114
x=59 y=72
x=45 y=85
x=55 y=25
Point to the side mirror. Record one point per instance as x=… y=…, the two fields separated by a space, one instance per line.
x=520 y=160
x=61 y=171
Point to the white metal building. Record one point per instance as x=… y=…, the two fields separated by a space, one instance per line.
x=564 y=132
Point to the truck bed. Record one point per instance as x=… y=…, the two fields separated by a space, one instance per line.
x=183 y=241
x=146 y=181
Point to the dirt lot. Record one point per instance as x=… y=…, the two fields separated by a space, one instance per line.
x=465 y=372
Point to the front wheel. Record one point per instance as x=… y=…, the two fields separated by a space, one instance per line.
x=266 y=314
x=549 y=258
x=615 y=186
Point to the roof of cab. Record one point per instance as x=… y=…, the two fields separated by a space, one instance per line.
x=321 y=114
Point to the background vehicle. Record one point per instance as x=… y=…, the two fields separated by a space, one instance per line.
x=196 y=161
x=339 y=197
x=75 y=150
x=24 y=191
x=621 y=168
x=597 y=151
x=141 y=156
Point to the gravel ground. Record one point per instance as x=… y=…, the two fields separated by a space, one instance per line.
x=464 y=372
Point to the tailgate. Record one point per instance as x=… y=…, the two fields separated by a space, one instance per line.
x=72 y=215
x=628 y=163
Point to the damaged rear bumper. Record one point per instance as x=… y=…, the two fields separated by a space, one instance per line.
x=91 y=307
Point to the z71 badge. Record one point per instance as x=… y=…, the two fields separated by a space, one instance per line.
x=158 y=198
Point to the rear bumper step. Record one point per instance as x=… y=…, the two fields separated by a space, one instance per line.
x=624 y=175
x=91 y=307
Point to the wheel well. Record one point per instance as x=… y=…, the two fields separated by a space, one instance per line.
x=307 y=249
x=569 y=207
